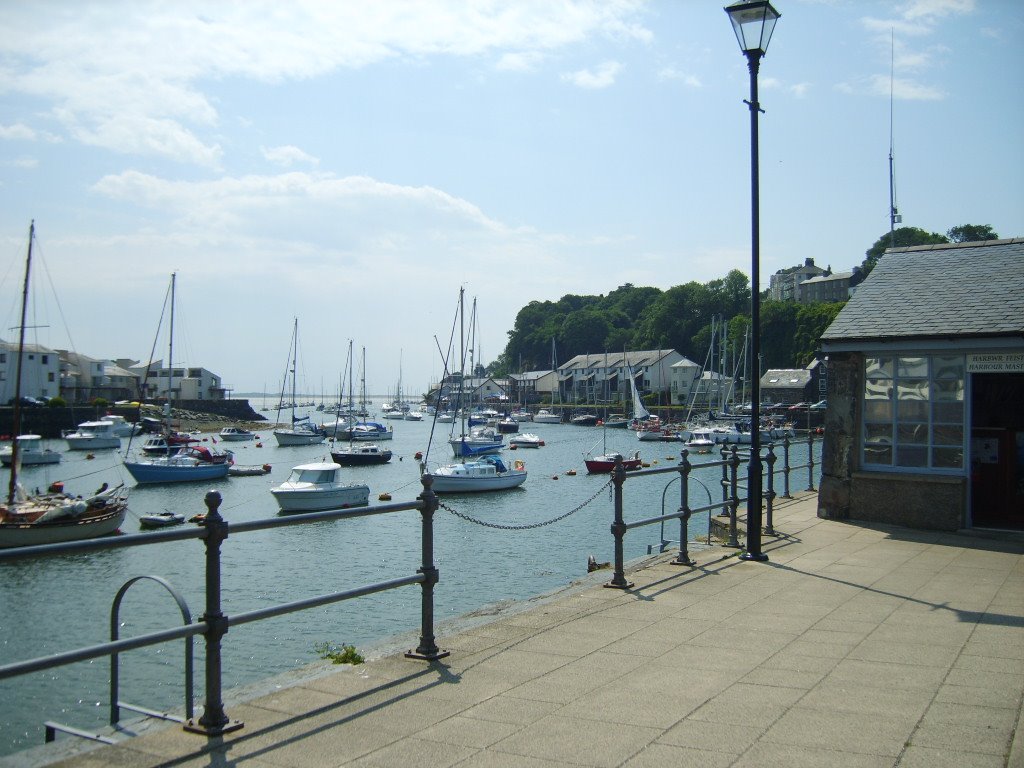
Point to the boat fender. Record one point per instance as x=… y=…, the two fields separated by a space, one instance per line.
x=512 y=447
x=518 y=464
x=56 y=487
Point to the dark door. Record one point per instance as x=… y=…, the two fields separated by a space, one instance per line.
x=997 y=450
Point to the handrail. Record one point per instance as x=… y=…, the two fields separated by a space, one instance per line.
x=731 y=499
x=213 y=624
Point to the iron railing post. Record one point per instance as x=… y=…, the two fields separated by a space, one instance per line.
x=724 y=453
x=214 y=721
x=770 y=491
x=785 y=468
x=734 y=501
x=619 y=528
x=683 y=558
x=427 y=649
x=810 y=461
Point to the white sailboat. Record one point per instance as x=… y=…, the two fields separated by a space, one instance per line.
x=301 y=432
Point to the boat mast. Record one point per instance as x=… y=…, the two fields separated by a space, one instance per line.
x=12 y=484
x=170 y=367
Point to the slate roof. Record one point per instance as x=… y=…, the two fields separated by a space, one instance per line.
x=938 y=291
x=785 y=378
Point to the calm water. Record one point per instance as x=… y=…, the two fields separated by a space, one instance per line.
x=55 y=604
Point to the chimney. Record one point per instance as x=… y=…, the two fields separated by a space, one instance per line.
x=808 y=262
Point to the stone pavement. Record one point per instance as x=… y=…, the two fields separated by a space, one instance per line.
x=852 y=646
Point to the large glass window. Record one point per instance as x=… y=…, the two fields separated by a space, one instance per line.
x=914 y=412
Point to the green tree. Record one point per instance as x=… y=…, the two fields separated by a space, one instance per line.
x=971 y=233
x=903 y=237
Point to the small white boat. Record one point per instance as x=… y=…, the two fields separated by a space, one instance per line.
x=372 y=430
x=701 y=441
x=122 y=427
x=318 y=486
x=30 y=451
x=525 y=440
x=249 y=470
x=161 y=519
x=92 y=435
x=544 y=416
x=488 y=473
x=479 y=441
x=235 y=434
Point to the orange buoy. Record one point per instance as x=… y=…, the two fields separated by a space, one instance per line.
x=542 y=442
x=259 y=445
x=418 y=455
x=90 y=455
x=570 y=471
x=384 y=497
x=266 y=467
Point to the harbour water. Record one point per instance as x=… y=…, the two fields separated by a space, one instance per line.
x=49 y=605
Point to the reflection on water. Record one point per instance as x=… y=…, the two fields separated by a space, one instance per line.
x=54 y=604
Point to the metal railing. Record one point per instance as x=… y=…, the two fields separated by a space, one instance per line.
x=732 y=482
x=214 y=623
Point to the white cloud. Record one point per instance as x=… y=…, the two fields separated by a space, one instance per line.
x=601 y=76
x=287 y=156
x=799 y=89
x=23 y=162
x=17 y=131
x=671 y=73
x=128 y=76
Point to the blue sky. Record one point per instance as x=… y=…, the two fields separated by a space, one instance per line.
x=352 y=164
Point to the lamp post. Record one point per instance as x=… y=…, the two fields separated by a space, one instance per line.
x=753 y=21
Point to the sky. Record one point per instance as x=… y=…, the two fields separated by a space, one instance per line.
x=352 y=165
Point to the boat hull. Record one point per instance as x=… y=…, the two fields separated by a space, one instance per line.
x=602 y=465
x=293 y=437
x=146 y=472
x=357 y=458
x=91 y=443
x=455 y=484
x=58 y=532
x=318 y=500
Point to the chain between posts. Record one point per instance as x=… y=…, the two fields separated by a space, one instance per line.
x=504 y=527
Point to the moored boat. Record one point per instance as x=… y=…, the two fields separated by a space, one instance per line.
x=161 y=519
x=488 y=473
x=188 y=464
x=605 y=463
x=544 y=416
x=525 y=440
x=92 y=435
x=361 y=455
x=30 y=451
x=235 y=434
x=318 y=486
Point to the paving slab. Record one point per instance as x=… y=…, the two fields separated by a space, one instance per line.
x=853 y=645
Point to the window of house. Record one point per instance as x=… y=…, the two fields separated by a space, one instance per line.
x=914 y=412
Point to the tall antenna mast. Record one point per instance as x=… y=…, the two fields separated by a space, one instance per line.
x=894 y=217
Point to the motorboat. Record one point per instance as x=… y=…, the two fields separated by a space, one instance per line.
x=521 y=415
x=190 y=463
x=92 y=435
x=701 y=441
x=584 y=420
x=360 y=455
x=525 y=440
x=318 y=486
x=30 y=451
x=235 y=435
x=488 y=473
x=616 y=421
x=248 y=470
x=544 y=416
x=605 y=463
x=122 y=427
x=340 y=428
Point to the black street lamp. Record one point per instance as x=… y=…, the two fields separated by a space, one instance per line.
x=753 y=23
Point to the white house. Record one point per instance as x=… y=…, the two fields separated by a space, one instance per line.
x=40 y=371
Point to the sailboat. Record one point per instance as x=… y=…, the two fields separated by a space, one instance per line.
x=605 y=463
x=478 y=440
x=178 y=464
x=301 y=431
x=52 y=517
x=484 y=472
x=545 y=416
x=364 y=453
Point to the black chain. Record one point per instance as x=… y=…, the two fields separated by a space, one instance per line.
x=486 y=524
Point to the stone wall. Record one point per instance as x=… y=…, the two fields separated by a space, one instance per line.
x=839 y=452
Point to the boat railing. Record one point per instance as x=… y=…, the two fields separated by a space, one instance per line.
x=213 y=624
x=733 y=483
